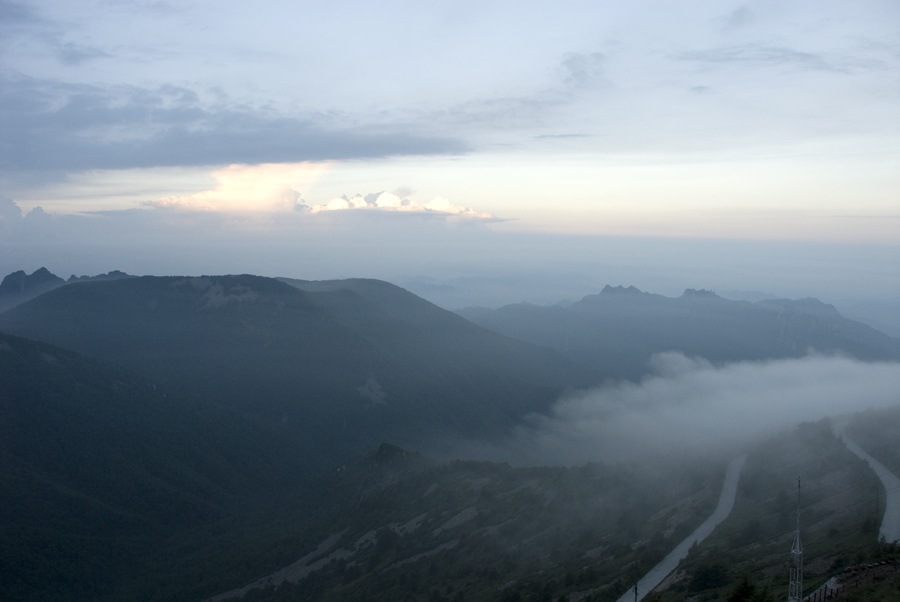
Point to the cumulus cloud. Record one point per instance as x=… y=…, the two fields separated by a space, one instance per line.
x=277 y=186
x=390 y=202
x=689 y=406
x=266 y=187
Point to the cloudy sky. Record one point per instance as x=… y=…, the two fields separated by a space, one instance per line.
x=715 y=144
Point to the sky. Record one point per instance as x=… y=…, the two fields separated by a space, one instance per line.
x=479 y=153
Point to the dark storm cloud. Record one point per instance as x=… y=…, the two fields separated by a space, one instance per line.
x=52 y=125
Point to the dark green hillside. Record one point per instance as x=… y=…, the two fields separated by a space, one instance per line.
x=98 y=467
x=19 y=287
x=339 y=370
x=396 y=526
x=448 y=352
x=618 y=330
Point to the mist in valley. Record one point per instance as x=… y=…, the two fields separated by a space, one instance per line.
x=689 y=407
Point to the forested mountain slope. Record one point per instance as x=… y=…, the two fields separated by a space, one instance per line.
x=99 y=466
x=619 y=329
x=342 y=371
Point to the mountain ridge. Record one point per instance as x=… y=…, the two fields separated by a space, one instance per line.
x=620 y=328
x=332 y=366
x=18 y=287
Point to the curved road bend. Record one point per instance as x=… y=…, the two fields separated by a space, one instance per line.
x=670 y=562
x=890 y=524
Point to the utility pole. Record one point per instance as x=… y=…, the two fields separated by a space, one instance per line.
x=795 y=592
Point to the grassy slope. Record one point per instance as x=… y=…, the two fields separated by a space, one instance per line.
x=99 y=466
x=516 y=530
x=547 y=533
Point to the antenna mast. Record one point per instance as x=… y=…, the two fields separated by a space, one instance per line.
x=795 y=593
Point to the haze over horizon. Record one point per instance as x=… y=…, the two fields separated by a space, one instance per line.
x=510 y=152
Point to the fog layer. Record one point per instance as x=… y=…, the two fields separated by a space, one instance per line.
x=690 y=406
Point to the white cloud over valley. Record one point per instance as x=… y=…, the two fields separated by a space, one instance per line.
x=692 y=406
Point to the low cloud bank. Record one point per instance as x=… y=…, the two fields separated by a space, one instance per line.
x=387 y=201
x=690 y=406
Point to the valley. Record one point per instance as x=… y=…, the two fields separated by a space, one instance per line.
x=239 y=437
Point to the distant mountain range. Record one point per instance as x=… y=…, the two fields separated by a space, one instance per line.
x=178 y=438
x=617 y=331
x=343 y=366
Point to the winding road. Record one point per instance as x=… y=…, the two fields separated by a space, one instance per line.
x=890 y=524
x=670 y=562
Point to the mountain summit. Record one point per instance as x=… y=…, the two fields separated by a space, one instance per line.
x=617 y=331
x=343 y=365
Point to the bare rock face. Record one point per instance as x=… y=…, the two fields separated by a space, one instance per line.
x=20 y=282
x=19 y=287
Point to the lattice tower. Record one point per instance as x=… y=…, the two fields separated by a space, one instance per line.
x=795 y=592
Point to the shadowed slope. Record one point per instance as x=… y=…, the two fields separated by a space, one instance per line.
x=98 y=466
x=341 y=369
x=618 y=330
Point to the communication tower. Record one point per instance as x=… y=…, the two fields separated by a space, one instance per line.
x=795 y=593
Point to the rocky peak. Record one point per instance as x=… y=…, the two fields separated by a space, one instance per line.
x=620 y=290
